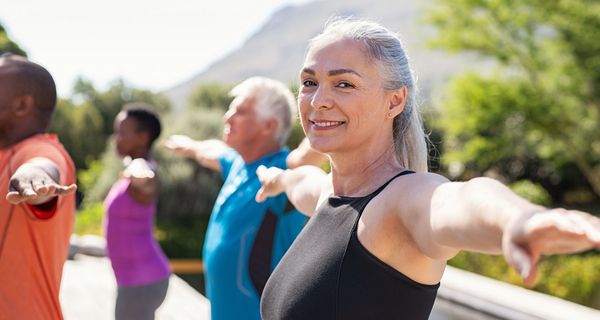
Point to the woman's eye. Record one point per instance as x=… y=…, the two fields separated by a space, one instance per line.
x=308 y=83
x=344 y=85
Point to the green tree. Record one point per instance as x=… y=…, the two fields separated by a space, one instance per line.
x=541 y=103
x=80 y=128
x=110 y=102
x=7 y=45
x=85 y=121
x=211 y=96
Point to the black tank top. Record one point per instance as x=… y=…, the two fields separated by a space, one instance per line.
x=328 y=274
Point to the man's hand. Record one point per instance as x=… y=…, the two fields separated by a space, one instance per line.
x=36 y=182
x=181 y=144
x=206 y=152
x=555 y=231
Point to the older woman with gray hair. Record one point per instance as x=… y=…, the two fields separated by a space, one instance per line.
x=381 y=226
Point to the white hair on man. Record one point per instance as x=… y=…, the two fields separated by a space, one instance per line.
x=272 y=99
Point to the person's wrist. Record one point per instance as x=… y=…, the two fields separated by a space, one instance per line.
x=200 y=159
x=281 y=179
x=519 y=212
x=514 y=228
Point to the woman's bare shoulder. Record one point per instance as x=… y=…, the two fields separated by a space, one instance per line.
x=418 y=181
x=412 y=192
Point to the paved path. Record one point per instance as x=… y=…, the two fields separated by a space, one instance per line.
x=88 y=291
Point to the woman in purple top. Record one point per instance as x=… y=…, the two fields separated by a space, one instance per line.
x=141 y=268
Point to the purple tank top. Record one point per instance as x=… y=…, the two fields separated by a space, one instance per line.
x=136 y=257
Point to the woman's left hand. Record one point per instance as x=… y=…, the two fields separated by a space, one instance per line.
x=553 y=231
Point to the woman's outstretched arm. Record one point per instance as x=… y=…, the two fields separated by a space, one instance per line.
x=484 y=215
x=303 y=185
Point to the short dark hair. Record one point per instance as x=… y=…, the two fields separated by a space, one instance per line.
x=147 y=119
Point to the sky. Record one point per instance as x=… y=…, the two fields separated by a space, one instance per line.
x=151 y=44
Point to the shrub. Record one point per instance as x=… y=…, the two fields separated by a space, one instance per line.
x=88 y=220
x=532 y=192
x=181 y=238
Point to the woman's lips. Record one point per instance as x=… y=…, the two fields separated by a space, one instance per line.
x=325 y=124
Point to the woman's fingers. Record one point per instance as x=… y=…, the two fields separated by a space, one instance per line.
x=523 y=261
x=555 y=231
x=269 y=178
x=561 y=231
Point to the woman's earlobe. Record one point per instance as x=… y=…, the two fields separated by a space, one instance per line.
x=398 y=101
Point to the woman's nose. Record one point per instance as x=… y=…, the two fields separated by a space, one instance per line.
x=321 y=99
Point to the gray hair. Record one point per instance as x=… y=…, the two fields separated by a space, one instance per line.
x=385 y=47
x=272 y=99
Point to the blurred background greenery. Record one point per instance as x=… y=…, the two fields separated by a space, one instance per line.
x=530 y=120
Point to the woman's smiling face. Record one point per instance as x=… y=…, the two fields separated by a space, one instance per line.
x=342 y=100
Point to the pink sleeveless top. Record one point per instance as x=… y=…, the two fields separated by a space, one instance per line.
x=136 y=257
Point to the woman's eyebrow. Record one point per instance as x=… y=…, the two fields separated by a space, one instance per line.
x=342 y=71
x=334 y=72
x=309 y=71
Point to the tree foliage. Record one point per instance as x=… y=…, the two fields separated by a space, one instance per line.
x=211 y=96
x=84 y=122
x=80 y=128
x=540 y=106
x=7 y=45
x=571 y=277
x=110 y=102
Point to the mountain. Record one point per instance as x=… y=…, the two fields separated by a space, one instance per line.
x=277 y=49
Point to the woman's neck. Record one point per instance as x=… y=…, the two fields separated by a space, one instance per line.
x=359 y=172
x=145 y=154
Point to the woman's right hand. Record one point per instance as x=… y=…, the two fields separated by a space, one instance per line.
x=138 y=169
x=270 y=178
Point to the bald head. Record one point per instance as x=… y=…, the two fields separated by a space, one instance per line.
x=27 y=99
x=21 y=77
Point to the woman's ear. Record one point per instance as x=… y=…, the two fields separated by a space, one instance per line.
x=397 y=101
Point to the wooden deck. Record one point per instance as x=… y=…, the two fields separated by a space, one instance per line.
x=88 y=291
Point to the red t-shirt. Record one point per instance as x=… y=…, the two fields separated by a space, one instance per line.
x=36 y=244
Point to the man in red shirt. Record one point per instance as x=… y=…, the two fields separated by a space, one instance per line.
x=37 y=199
